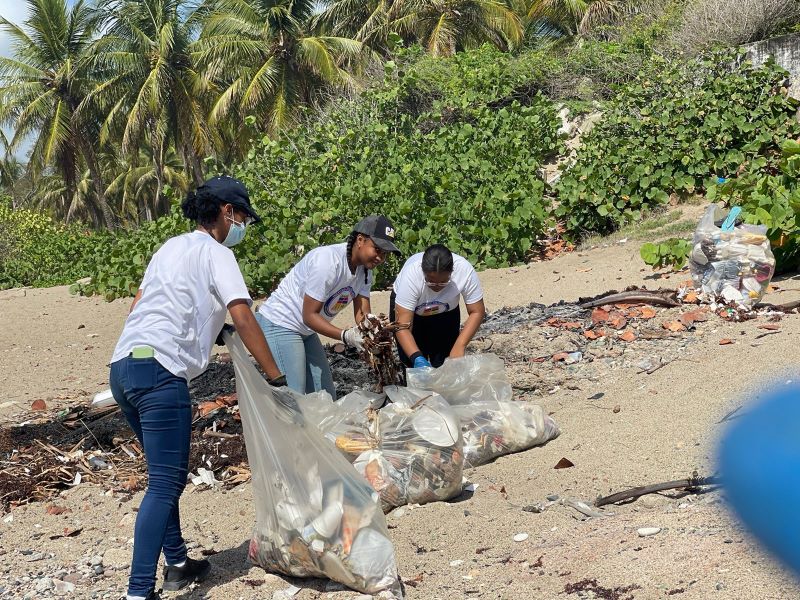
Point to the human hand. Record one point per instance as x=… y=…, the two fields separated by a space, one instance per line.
x=220 y=341
x=352 y=337
x=421 y=361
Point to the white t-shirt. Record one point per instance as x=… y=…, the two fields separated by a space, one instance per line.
x=412 y=293
x=185 y=294
x=324 y=275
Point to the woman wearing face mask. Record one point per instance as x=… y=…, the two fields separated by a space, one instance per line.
x=426 y=295
x=189 y=286
x=317 y=288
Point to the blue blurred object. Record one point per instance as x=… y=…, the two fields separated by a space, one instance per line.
x=421 y=361
x=721 y=180
x=760 y=471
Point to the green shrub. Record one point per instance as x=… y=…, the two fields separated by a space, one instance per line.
x=669 y=132
x=669 y=253
x=468 y=179
x=768 y=192
x=35 y=251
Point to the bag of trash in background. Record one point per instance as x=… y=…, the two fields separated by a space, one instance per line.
x=730 y=260
x=473 y=378
x=315 y=515
x=492 y=429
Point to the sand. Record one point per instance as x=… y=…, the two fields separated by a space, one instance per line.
x=56 y=347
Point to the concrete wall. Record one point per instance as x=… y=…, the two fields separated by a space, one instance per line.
x=786 y=52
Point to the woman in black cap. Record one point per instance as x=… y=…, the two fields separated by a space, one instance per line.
x=317 y=288
x=191 y=283
x=426 y=295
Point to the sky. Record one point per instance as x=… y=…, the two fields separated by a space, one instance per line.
x=15 y=11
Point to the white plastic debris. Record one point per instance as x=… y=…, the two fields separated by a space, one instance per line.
x=103 y=399
x=204 y=476
x=521 y=537
x=648 y=531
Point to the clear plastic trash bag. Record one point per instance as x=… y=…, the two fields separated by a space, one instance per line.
x=734 y=265
x=473 y=378
x=492 y=429
x=409 y=450
x=315 y=515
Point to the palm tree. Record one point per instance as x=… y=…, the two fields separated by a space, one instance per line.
x=264 y=60
x=573 y=17
x=149 y=91
x=442 y=26
x=42 y=87
x=445 y=27
x=134 y=181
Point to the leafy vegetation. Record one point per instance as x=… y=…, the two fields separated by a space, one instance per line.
x=768 y=192
x=677 y=125
x=36 y=251
x=669 y=253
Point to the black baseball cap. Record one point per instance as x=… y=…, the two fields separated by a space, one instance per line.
x=230 y=191
x=380 y=230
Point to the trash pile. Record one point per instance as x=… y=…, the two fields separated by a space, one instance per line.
x=492 y=423
x=731 y=262
x=315 y=515
x=409 y=449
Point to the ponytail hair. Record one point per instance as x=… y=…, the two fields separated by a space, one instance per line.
x=201 y=206
x=437 y=259
x=351 y=239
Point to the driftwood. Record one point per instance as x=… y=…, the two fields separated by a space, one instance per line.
x=660 y=297
x=692 y=482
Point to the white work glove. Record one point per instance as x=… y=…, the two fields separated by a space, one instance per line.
x=352 y=337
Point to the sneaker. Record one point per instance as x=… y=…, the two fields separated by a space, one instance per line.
x=153 y=595
x=176 y=578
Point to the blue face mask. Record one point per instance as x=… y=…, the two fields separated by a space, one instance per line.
x=235 y=233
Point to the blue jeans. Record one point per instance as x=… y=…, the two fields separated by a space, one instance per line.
x=300 y=357
x=157 y=407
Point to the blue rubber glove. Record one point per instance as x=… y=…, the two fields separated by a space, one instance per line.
x=759 y=461
x=421 y=361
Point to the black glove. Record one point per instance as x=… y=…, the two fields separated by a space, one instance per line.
x=227 y=327
x=279 y=381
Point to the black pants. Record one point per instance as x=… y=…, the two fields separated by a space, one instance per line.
x=435 y=335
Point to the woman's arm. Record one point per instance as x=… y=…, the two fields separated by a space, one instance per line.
x=136 y=298
x=315 y=321
x=475 y=313
x=248 y=329
x=361 y=308
x=404 y=336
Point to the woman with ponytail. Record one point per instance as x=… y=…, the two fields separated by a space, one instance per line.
x=190 y=285
x=426 y=295
x=317 y=288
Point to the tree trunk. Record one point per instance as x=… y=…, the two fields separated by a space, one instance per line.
x=97 y=183
x=157 y=147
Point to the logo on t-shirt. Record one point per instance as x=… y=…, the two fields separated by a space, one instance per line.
x=432 y=308
x=338 y=301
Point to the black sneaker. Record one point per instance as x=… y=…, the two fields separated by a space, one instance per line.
x=153 y=595
x=177 y=578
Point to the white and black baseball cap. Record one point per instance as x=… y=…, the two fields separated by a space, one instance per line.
x=380 y=230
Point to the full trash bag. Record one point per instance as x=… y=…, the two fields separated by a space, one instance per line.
x=473 y=378
x=409 y=450
x=492 y=424
x=492 y=429
x=729 y=261
x=315 y=515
